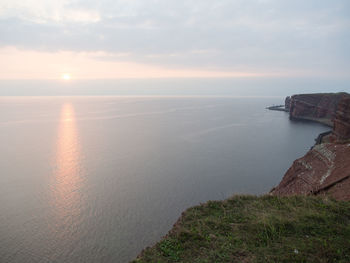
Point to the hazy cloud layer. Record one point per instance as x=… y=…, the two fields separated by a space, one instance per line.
x=295 y=36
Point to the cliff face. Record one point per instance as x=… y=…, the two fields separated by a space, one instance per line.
x=326 y=167
x=342 y=121
x=315 y=107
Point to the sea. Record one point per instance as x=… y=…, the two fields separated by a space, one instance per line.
x=99 y=178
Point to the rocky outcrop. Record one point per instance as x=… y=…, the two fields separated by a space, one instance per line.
x=325 y=169
x=287 y=102
x=320 y=107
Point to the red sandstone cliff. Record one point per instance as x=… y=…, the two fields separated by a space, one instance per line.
x=319 y=107
x=325 y=169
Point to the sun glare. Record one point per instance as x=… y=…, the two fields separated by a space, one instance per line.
x=66 y=76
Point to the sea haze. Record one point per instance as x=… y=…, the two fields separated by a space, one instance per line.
x=97 y=179
x=258 y=86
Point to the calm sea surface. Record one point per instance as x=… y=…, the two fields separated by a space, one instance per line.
x=96 y=179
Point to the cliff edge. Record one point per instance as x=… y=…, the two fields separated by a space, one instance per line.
x=325 y=169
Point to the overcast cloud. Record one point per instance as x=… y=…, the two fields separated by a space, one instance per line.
x=297 y=36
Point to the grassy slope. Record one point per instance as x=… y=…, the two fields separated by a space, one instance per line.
x=258 y=229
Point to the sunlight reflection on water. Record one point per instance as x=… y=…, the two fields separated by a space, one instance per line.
x=67 y=180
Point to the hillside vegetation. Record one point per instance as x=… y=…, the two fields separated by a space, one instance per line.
x=258 y=229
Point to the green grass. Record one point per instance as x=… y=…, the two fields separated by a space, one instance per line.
x=258 y=229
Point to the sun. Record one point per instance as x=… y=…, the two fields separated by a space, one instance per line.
x=66 y=76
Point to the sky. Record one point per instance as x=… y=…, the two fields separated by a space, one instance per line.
x=112 y=39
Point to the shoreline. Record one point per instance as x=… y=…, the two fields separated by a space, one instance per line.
x=324 y=121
